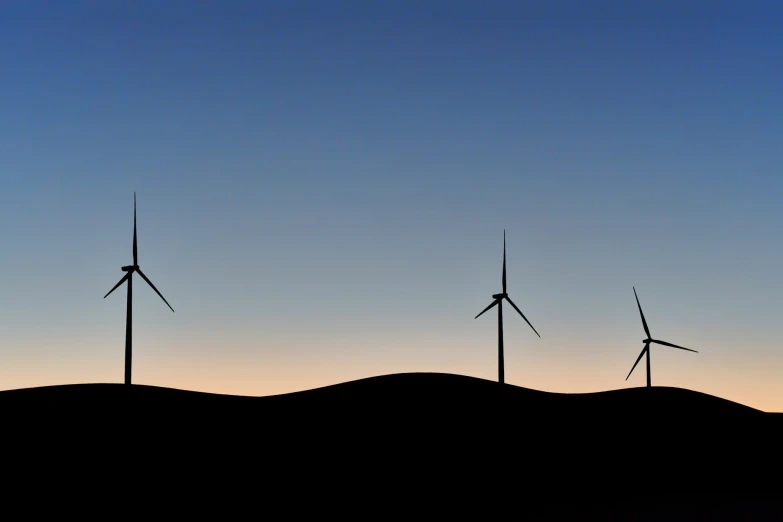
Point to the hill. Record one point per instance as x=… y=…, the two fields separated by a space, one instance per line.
x=412 y=389
x=426 y=438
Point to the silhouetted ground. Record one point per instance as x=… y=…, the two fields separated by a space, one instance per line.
x=409 y=388
x=438 y=440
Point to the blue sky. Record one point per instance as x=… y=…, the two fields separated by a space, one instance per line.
x=323 y=187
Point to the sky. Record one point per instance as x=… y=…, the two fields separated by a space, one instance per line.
x=322 y=190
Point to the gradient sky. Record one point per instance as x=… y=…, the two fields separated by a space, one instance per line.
x=323 y=187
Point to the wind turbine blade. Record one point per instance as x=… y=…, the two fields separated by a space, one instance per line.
x=487 y=308
x=646 y=329
x=674 y=346
x=504 y=261
x=520 y=313
x=153 y=287
x=124 y=278
x=135 y=249
x=646 y=347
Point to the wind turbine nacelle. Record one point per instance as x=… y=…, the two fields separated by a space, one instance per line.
x=130 y=268
x=499 y=296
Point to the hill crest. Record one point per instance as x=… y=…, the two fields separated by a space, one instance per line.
x=414 y=387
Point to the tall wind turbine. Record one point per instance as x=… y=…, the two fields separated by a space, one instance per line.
x=646 y=349
x=130 y=269
x=498 y=300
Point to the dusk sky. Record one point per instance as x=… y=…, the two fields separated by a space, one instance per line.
x=322 y=189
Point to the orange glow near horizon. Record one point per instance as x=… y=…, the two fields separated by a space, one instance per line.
x=251 y=374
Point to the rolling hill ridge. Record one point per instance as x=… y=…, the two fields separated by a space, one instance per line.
x=411 y=389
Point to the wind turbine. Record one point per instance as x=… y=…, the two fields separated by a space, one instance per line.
x=498 y=300
x=130 y=269
x=646 y=349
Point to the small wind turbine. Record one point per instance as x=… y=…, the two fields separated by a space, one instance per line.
x=646 y=349
x=127 y=277
x=498 y=300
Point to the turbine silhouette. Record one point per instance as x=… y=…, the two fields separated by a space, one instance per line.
x=646 y=349
x=130 y=269
x=498 y=300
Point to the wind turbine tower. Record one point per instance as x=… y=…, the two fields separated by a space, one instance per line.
x=130 y=269
x=498 y=300
x=646 y=349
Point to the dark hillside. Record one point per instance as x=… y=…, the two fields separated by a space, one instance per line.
x=435 y=440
